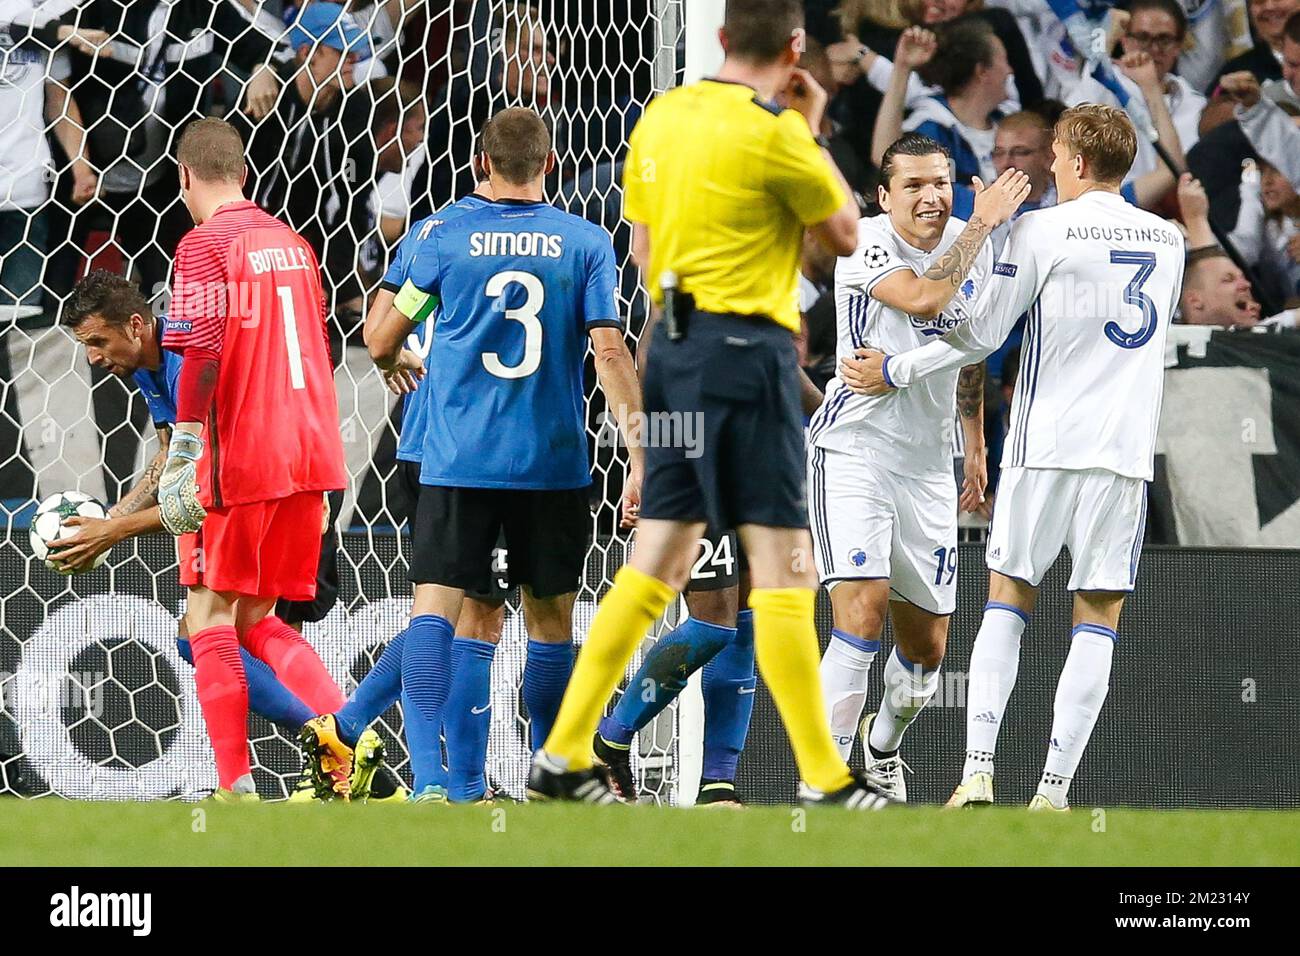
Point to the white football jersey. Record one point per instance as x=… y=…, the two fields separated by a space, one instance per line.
x=910 y=431
x=1099 y=279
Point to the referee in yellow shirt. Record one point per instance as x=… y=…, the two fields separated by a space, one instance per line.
x=720 y=182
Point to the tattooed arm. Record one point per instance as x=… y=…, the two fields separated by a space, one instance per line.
x=137 y=513
x=970 y=414
x=925 y=295
x=144 y=494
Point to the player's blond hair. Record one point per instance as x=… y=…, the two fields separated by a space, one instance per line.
x=1103 y=135
x=212 y=151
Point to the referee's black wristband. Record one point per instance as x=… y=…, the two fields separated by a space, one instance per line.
x=822 y=140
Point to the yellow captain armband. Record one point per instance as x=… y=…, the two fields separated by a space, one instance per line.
x=413 y=303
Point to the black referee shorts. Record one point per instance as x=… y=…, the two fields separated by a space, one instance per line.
x=456 y=530
x=726 y=443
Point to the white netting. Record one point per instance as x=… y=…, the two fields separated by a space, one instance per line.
x=95 y=700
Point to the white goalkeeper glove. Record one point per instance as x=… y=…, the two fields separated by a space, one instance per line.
x=178 y=487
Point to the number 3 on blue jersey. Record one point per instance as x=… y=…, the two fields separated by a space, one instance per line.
x=1133 y=295
x=525 y=315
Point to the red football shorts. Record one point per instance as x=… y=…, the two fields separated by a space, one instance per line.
x=262 y=549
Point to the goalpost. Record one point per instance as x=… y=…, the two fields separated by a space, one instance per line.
x=703 y=52
x=95 y=701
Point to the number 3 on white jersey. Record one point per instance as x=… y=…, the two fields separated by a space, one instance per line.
x=525 y=315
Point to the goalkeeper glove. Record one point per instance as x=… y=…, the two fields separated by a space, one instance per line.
x=178 y=487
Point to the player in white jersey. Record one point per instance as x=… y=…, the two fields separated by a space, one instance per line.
x=1099 y=280
x=882 y=499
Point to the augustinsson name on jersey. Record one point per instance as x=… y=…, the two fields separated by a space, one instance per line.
x=1125 y=234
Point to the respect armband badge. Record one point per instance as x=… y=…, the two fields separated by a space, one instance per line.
x=1007 y=269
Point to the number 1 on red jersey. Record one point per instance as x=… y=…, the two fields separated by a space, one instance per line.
x=292 y=347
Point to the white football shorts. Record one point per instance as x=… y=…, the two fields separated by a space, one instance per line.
x=868 y=522
x=1099 y=515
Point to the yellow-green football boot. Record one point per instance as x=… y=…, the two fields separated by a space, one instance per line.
x=327 y=758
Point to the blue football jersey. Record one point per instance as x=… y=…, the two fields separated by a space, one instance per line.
x=158 y=386
x=516 y=287
x=410 y=439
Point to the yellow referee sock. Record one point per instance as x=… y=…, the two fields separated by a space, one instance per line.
x=785 y=643
x=620 y=624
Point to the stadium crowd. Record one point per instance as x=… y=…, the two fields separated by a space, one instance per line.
x=354 y=132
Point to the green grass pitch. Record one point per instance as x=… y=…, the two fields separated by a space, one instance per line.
x=54 y=832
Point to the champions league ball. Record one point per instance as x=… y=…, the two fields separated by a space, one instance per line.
x=48 y=524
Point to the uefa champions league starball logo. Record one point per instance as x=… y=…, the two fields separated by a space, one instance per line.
x=876 y=257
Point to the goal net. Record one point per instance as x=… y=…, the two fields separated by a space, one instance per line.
x=95 y=701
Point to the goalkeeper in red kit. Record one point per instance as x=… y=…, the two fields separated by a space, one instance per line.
x=255 y=446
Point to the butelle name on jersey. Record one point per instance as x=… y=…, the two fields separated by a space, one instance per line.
x=293 y=259
x=516 y=244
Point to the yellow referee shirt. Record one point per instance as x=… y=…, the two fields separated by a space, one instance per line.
x=726 y=182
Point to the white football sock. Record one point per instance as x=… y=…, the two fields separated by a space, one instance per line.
x=1054 y=788
x=844 y=670
x=1081 y=691
x=994 y=662
x=907 y=690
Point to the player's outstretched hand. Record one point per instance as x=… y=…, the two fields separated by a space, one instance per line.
x=178 y=486
x=77 y=553
x=1242 y=86
x=404 y=377
x=975 y=479
x=864 y=372
x=998 y=201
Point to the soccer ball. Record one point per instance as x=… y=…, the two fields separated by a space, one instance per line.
x=48 y=524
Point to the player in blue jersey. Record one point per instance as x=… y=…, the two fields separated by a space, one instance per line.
x=110 y=317
x=518 y=288
x=483 y=613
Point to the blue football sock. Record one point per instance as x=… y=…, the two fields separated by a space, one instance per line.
x=378 y=690
x=729 y=702
x=266 y=695
x=467 y=718
x=662 y=675
x=546 y=675
x=426 y=680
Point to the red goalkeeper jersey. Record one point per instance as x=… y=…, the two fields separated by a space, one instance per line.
x=248 y=287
